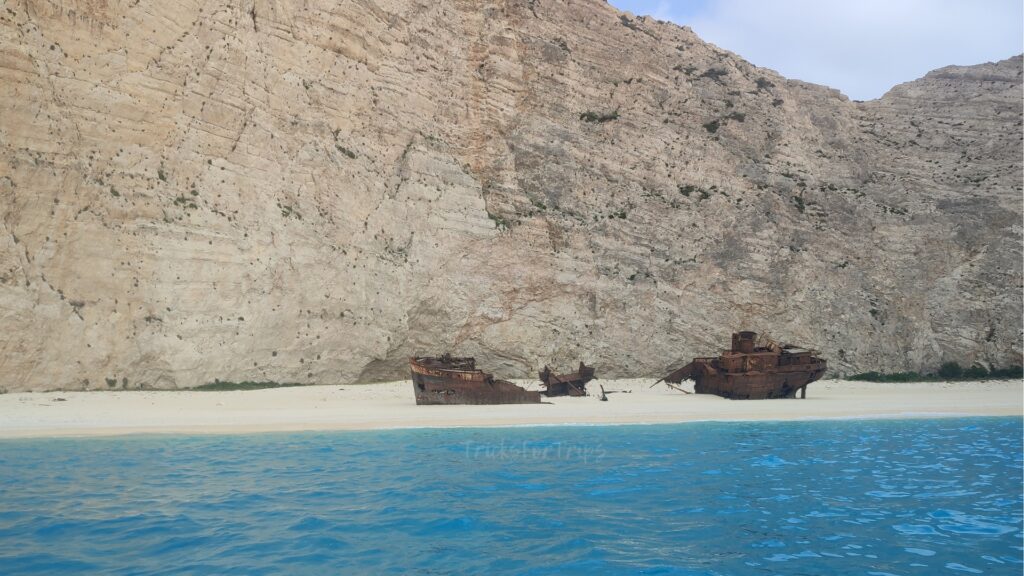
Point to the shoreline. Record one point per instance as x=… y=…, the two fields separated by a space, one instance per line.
x=390 y=406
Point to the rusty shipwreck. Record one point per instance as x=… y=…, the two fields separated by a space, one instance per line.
x=450 y=380
x=755 y=368
x=573 y=384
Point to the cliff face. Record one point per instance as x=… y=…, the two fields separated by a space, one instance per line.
x=313 y=191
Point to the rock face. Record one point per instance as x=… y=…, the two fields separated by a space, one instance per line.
x=314 y=191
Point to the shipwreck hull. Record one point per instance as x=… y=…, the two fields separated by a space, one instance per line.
x=565 y=389
x=434 y=383
x=753 y=386
x=753 y=369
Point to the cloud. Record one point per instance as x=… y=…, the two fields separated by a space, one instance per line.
x=863 y=48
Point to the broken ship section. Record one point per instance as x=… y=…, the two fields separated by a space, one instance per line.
x=450 y=380
x=753 y=370
x=574 y=384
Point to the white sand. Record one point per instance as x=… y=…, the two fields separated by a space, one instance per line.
x=391 y=405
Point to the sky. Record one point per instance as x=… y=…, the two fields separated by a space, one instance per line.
x=861 y=47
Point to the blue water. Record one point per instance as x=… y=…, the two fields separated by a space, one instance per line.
x=854 y=497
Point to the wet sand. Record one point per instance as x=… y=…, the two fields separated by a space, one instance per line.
x=391 y=405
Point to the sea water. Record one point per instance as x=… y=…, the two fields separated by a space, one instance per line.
x=830 y=497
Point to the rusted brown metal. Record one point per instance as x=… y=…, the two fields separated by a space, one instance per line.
x=450 y=380
x=574 y=384
x=753 y=369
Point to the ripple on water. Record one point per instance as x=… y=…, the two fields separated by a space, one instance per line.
x=961 y=568
x=917 y=529
x=771 y=461
x=960 y=523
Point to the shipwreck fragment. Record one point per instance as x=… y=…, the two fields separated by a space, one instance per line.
x=450 y=380
x=573 y=384
x=753 y=369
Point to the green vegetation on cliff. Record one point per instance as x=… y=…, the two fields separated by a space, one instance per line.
x=222 y=386
x=948 y=371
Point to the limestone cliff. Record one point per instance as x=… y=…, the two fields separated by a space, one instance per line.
x=313 y=191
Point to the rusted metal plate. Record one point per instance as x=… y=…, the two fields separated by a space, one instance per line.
x=755 y=368
x=573 y=384
x=450 y=380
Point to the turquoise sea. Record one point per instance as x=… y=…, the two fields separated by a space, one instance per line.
x=832 y=497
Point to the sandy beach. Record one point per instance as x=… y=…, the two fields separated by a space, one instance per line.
x=391 y=405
